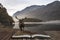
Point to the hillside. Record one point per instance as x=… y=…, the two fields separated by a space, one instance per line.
x=5 y=19
x=28 y=10
x=48 y=12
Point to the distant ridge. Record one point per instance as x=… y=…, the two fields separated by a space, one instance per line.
x=28 y=9
x=49 y=12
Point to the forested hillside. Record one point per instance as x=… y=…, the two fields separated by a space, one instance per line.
x=5 y=19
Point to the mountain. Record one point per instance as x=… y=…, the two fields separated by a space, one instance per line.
x=49 y=12
x=46 y=13
x=5 y=19
x=28 y=9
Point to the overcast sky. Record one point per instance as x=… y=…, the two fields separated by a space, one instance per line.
x=17 y=5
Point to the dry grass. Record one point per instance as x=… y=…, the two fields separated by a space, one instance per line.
x=24 y=32
x=55 y=35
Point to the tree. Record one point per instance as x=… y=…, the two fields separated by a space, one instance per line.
x=5 y=19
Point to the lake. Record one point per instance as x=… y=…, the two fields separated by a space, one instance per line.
x=35 y=27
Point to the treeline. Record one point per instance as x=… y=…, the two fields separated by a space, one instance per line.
x=31 y=20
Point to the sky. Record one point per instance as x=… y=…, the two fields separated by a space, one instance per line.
x=13 y=6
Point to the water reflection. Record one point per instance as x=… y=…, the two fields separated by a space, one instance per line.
x=37 y=28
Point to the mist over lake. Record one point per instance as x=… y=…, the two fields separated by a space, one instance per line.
x=45 y=26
